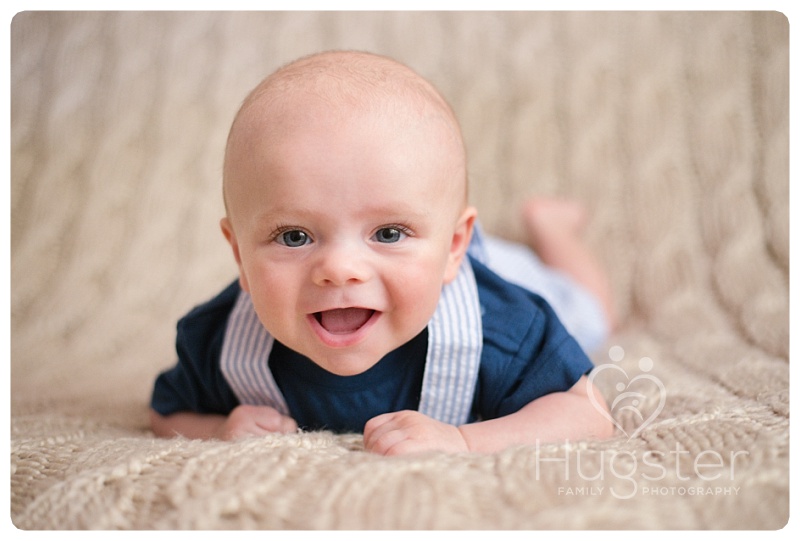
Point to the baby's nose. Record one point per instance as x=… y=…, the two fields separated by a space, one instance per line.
x=341 y=265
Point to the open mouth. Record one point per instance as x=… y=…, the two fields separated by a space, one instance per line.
x=344 y=320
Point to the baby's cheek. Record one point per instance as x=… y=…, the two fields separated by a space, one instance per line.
x=418 y=296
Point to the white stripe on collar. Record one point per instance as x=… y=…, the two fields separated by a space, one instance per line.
x=244 y=358
x=455 y=341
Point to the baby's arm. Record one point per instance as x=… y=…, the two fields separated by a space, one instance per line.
x=556 y=417
x=569 y=415
x=243 y=421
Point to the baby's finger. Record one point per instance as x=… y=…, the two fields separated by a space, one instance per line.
x=271 y=420
x=376 y=428
x=387 y=441
x=288 y=425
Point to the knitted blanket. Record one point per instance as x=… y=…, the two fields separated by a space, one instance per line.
x=672 y=128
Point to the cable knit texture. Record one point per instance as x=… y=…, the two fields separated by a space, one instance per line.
x=671 y=127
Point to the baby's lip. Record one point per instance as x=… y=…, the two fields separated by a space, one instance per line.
x=343 y=327
x=343 y=320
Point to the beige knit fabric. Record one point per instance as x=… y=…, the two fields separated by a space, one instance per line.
x=673 y=128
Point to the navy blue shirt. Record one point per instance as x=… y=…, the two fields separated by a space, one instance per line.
x=526 y=354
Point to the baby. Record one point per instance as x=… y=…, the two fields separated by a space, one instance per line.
x=364 y=301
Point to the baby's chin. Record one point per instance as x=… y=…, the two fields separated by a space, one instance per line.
x=350 y=361
x=344 y=364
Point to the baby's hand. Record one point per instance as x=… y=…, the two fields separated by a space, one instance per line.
x=405 y=432
x=247 y=420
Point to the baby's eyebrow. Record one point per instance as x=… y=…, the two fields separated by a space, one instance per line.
x=273 y=214
x=410 y=212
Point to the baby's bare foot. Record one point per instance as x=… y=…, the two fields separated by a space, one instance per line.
x=555 y=232
x=545 y=217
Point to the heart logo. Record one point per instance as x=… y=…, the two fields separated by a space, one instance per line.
x=633 y=391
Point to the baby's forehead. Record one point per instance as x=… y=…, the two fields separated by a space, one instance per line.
x=345 y=83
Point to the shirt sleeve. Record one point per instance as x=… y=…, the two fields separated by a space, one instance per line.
x=196 y=382
x=527 y=351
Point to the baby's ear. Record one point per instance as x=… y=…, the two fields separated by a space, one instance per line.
x=230 y=236
x=460 y=243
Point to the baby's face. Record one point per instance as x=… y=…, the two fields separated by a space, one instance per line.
x=345 y=232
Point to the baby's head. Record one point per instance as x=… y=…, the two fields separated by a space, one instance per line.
x=345 y=194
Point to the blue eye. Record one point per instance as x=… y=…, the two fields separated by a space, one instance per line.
x=388 y=235
x=293 y=238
